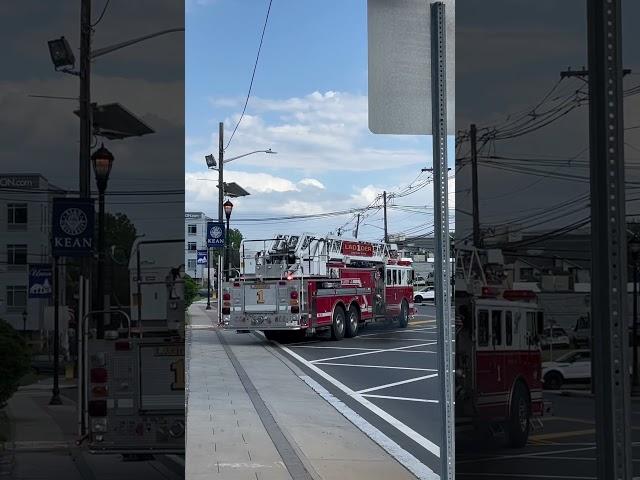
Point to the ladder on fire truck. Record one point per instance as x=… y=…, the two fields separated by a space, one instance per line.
x=478 y=268
x=315 y=252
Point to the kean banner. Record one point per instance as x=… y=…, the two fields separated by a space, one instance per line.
x=40 y=280
x=215 y=234
x=201 y=257
x=72 y=229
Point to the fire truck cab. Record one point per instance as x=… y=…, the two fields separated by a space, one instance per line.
x=498 y=362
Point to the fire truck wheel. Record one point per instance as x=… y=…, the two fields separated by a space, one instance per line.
x=352 y=323
x=337 y=327
x=404 y=315
x=520 y=417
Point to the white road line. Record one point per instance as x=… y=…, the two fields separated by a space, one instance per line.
x=394 y=384
x=388 y=397
x=406 y=430
x=380 y=350
x=397 y=339
x=411 y=463
x=522 y=475
x=386 y=332
x=336 y=348
x=376 y=366
x=511 y=457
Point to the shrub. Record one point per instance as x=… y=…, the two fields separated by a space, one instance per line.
x=14 y=361
x=190 y=291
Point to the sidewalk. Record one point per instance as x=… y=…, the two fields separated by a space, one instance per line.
x=230 y=399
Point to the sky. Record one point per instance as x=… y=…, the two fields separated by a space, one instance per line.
x=509 y=57
x=309 y=104
x=40 y=135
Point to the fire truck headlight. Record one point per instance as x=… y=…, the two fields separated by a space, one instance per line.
x=99 y=425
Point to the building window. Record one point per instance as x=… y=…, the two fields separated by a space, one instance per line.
x=191 y=246
x=191 y=264
x=16 y=296
x=17 y=214
x=526 y=274
x=16 y=254
x=192 y=229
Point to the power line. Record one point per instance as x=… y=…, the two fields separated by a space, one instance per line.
x=253 y=74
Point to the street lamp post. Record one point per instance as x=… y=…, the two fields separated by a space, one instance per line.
x=219 y=165
x=102 y=161
x=228 y=208
x=634 y=249
x=24 y=323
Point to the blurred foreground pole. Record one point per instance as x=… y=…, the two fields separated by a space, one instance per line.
x=608 y=233
x=441 y=221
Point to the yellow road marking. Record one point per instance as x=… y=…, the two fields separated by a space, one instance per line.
x=420 y=322
x=571 y=433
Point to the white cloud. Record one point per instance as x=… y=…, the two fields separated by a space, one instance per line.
x=312 y=182
x=203 y=186
x=319 y=132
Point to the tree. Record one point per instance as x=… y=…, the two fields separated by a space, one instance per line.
x=190 y=291
x=14 y=361
x=120 y=232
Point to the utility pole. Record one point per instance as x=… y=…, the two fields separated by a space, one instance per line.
x=84 y=184
x=608 y=228
x=474 y=186
x=386 y=233
x=221 y=259
x=357 y=226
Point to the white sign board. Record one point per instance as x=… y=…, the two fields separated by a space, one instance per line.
x=399 y=33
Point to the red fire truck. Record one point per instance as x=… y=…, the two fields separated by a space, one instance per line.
x=309 y=284
x=498 y=357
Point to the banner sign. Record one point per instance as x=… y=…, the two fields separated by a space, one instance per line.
x=201 y=257
x=40 y=280
x=357 y=249
x=72 y=229
x=215 y=234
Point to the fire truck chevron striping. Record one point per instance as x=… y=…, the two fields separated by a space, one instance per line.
x=308 y=283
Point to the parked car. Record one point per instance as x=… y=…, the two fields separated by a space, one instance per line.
x=43 y=364
x=581 y=333
x=573 y=367
x=424 y=294
x=555 y=336
x=419 y=281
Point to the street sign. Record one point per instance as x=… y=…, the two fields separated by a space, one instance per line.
x=40 y=280
x=215 y=234
x=72 y=229
x=399 y=36
x=201 y=257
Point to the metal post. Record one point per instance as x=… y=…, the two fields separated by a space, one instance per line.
x=227 y=251
x=474 y=186
x=357 y=226
x=100 y=270
x=442 y=251
x=208 y=276
x=386 y=234
x=634 y=342
x=608 y=227
x=55 y=393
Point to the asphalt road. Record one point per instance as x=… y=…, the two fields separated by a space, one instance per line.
x=563 y=449
x=387 y=375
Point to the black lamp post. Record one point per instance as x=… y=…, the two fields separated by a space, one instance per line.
x=102 y=161
x=24 y=323
x=634 y=250
x=228 y=208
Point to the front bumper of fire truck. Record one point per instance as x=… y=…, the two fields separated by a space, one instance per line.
x=265 y=321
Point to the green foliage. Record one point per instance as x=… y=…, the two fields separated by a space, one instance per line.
x=190 y=291
x=14 y=361
x=119 y=232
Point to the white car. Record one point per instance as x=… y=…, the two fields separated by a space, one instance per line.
x=424 y=295
x=574 y=367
